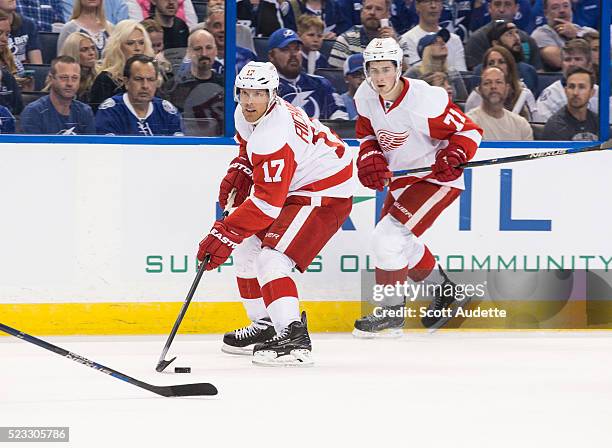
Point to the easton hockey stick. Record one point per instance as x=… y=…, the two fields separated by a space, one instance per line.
x=162 y=363
x=180 y=390
x=519 y=158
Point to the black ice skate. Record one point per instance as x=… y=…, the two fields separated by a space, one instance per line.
x=291 y=347
x=444 y=306
x=242 y=340
x=383 y=322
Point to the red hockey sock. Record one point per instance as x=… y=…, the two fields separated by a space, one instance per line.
x=423 y=268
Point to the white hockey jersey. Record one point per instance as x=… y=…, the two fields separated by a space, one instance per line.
x=291 y=155
x=419 y=123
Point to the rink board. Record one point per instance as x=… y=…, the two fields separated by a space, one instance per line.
x=102 y=239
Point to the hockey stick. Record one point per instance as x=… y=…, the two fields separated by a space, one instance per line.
x=181 y=390
x=519 y=158
x=162 y=363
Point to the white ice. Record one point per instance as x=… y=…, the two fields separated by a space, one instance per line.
x=449 y=389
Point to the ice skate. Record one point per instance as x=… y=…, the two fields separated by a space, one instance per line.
x=291 y=347
x=444 y=305
x=242 y=340
x=383 y=322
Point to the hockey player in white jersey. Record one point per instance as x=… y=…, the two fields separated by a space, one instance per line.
x=302 y=179
x=406 y=124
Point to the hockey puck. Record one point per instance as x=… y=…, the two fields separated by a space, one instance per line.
x=182 y=370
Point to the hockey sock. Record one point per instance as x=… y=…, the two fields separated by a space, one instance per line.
x=281 y=299
x=425 y=270
x=384 y=277
x=252 y=299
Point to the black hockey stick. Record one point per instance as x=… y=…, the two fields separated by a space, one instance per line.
x=181 y=390
x=519 y=158
x=162 y=363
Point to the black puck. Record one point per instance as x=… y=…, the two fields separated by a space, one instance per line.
x=182 y=370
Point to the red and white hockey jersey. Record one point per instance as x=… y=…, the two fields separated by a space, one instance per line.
x=419 y=123
x=291 y=155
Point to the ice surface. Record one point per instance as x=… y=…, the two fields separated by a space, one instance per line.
x=448 y=389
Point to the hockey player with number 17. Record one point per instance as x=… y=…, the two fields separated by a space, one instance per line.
x=302 y=174
x=405 y=124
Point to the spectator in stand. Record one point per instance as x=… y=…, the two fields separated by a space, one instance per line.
x=129 y=38
x=479 y=42
x=10 y=93
x=520 y=99
x=496 y=121
x=175 y=29
x=433 y=65
x=88 y=17
x=575 y=121
x=202 y=51
x=215 y=24
x=374 y=23
x=354 y=76
x=7 y=60
x=23 y=40
x=82 y=48
x=314 y=94
x=246 y=13
x=523 y=17
x=429 y=12
x=141 y=9
x=505 y=34
x=44 y=13
x=558 y=30
x=199 y=94
x=115 y=10
x=586 y=13
x=335 y=22
x=593 y=39
x=575 y=53
x=310 y=32
x=156 y=34
x=59 y=112
x=138 y=111
x=7 y=121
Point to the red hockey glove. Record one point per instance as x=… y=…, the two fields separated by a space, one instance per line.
x=447 y=159
x=373 y=169
x=239 y=176
x=219 y=243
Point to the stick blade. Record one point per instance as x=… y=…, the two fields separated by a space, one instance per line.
x=186 y=390
x=161 y=365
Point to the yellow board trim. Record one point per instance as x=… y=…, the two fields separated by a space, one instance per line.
x=138 y=318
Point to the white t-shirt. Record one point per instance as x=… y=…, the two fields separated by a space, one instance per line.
x=510 y=126
x=410 y=40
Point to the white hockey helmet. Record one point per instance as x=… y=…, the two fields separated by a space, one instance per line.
x=383 y=49
x=257 y=75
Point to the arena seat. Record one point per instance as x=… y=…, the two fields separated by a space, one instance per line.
x=335 y=76
x=48 y=46
x=40 y=74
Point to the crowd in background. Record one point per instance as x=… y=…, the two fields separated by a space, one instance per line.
x=522 y=69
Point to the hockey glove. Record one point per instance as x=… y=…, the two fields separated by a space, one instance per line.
x=219 y=243
x=373 y=169
x=239 y=176
x=445 y=168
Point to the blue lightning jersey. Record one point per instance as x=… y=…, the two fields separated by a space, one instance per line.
x=116 y=116
x=315 y=95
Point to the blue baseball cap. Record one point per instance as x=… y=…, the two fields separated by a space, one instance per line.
x=429 y=39
x=354 y=63
x=281 y=38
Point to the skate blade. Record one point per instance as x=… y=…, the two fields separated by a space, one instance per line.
x=248 y=350
x=389 y=333
x=463 y=305
x=297 y=358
